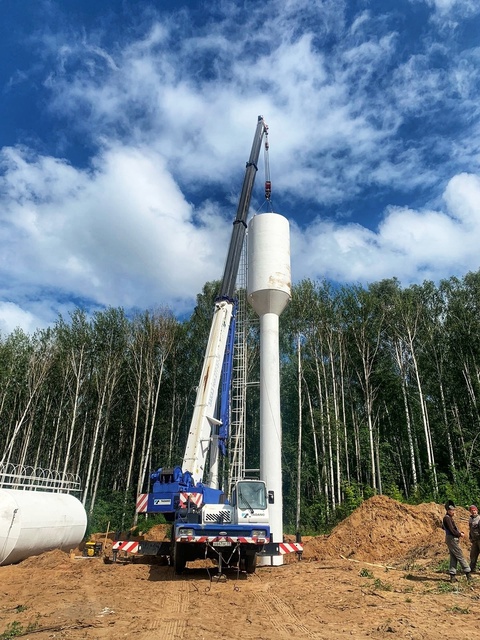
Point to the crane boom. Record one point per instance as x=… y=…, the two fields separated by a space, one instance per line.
x=240 y=223
x=203 y=417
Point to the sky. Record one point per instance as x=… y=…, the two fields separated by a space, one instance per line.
x=125 y=127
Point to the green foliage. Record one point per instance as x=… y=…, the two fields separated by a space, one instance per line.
x=20 y=608
x=457 y=609
x=382 y=586
x=146 y=523
x=426 y=491
x=12 y=630
x=368 y=492
x=463 y=490
x=377 y=583
x=314 y=520
x=442 y=566
x=382 y=367
x=108 y=512
x=353 y=496
x=15 y=629
x=447 y=587
x=394 y=492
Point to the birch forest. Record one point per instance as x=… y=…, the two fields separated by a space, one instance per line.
x=380 y=392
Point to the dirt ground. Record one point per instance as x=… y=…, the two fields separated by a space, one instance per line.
x=380 y=574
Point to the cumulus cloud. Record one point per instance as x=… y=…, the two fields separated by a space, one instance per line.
x=468 y=7
x=120 y=233
x=368 y=124
x=412 y=245
x=13 y=316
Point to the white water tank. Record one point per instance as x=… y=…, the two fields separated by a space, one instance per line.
x=269 y=276
x=269 y=291
x=32 y=522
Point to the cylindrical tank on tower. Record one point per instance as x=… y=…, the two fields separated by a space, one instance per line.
x=32 y=522
x=269 y=276
x=269 y=292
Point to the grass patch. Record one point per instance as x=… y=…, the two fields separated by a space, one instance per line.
x=442 y=567
x=446 y=587
x=382 y=586
x=20 y=608
x=456 y=609
x=16 y=629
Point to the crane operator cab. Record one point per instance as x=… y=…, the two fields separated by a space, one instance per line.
x=249 y=500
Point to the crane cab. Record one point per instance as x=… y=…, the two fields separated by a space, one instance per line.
x=249 y=500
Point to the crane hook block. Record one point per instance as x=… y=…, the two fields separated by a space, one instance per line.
x=268 y=189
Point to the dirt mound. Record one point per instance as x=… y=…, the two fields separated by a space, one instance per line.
x=158 y=533
x=384 y=530
x=50 y=559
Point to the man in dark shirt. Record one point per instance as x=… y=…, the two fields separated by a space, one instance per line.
x=474 y=536
x=452 y=536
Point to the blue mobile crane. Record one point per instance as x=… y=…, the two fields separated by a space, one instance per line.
x=205 y=524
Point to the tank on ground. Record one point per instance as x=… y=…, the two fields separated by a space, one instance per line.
x=32 y=522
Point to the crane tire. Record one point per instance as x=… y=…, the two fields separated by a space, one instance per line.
x=179 y=558
x=250 y=562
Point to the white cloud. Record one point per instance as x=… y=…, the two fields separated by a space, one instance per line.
x=120 y=234
x=168 y=117
x=12 y=317
x=468 y=7
x=409 y=244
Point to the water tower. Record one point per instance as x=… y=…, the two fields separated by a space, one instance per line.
x=269 y=291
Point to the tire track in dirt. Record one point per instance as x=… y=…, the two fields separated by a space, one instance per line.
x=169 y=621
x=283 y=618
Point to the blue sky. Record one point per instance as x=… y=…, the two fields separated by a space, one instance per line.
x=125 y=127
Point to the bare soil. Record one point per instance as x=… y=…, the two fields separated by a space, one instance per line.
x=377 y=575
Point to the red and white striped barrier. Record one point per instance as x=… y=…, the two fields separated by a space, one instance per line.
x=290 y=547
x=142 y=500
x=128 y=545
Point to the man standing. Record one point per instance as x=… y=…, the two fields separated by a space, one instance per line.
x=452 y=536
x=474 y=536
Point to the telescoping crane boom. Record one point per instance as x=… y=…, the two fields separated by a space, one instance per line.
x=203 y=419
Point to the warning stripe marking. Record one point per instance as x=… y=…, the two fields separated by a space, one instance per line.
x=126 y=545
x=142 y=500
x=233 y=539
x=195 y=498
x=290 y=547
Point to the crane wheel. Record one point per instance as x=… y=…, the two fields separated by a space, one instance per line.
x=250 y=562
x=179 y=558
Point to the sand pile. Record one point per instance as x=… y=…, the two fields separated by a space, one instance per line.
x=384 y=530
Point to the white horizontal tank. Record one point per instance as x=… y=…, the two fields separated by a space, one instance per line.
x=32 y=522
